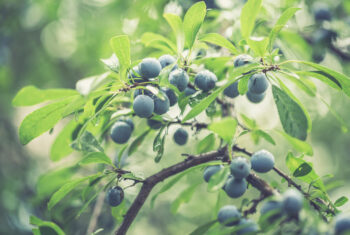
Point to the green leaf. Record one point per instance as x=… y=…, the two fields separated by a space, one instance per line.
x=30 y=95
x=265 y=135
x=250 y=123
x=225 y=128
x=281 y=22
x=118 y=212
x=300 y=83
x=87 y=143
x=243 y=85
x=51 y=181
x=121 y=47
x=203 y=104
x=137 y=142
x=33 y=220
x=193 y=20
x=158 y=41
x=96 y=157
x=293 y=163
x=61 y=146
x=341 y=201
x=206 y=144
x=87 y=85
x=66 y=188
x=336 y=77
x=291 y=95
x=41 y=120
x=258 y=45
x=302 y=170
x=218 y=179
x=176 y=25
x=219 y=40
x=248 y=15
x=329 y=80
x=184 y=197
x=203 y=228
x=292 y=116
x=299 y=145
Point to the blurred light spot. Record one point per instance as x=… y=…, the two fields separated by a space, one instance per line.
x=59 y=39
x=152 y=13
x=32 y=16
x=225 y=4
x=130 y=25
x=174 y=8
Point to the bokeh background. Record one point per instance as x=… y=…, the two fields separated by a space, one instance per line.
x=53 y=44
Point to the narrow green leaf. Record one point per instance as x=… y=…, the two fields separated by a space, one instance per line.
x=293 y=164
x=121 y=47
x=65 y=189
x=219 y=40
x=293 y=97
x=299 y=145
x=266 y=136
x=33 y=220
x=96 y=157
x=203 y=228
x=250 y=123
x=281 y=22
x=30 y=95
x=206 y=144
x=184 y=197
x=193 y=20
x=248 y=16
x=41 y=120
x=243 y=85
x=304 y=86
x=341 y=201
x=87 y=143
x=176 y=25
x=218 y=179
x=137 y=142
x=61 y=146
x=329 y=80
x=258 y=45
x=339 y=78
x=292 y=116
x=225 y=128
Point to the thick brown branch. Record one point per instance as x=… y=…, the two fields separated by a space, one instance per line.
x=151 y=181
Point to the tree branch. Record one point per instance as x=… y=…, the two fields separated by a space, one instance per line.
x=189 y=162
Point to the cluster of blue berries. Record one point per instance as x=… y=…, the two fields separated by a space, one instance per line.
x=229 y=215
x=236 y=184
x=257 y=84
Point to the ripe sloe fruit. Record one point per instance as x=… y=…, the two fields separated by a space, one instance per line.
x=232 y=90
x=149 y=68
x=180 y=136
x=240 y=167
x=292 y=202
x=143 y=106
x=171 y=95
x=179 y=78
x=229 y=215
x=235 y=187
x=262 y=161
x=241 y=60
x=210 y=171
x=205 y=80
x=258 y=83
x=115 y=196
x=120 y=132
